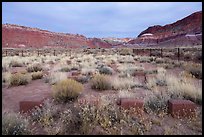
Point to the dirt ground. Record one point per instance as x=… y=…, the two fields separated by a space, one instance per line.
x=38 y=90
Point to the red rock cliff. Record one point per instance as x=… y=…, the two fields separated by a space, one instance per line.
x=187 y=31
x=14 y=36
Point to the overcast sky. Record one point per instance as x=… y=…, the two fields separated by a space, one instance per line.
x=96 y=19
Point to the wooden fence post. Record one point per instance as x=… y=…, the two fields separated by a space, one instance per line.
x=54 y=52
x=161 y=53
x=6 y=52
x=22 y=53
x=150 y=52
x=178 y=53
x=38 y=52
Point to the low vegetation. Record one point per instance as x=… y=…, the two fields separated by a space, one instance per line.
x=67 y=90
x=19 y=79
x=14 y=124
x=100 y=82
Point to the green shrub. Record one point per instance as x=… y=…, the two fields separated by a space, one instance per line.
x=157 y=103
x=106 y=70
x=67 y=90
x=14 y=124
x=82 y=79
x=19 y=79
x=100 y=82
x=37 y=75
x=34 y=68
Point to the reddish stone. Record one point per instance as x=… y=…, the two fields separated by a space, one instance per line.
x=26 y=106
x=127 y=103
x=76 y=73
x=181 y=108
x=14 y=72
x=139 y=73
x=69 y=62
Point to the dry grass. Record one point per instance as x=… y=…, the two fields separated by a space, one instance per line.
x=67 y=90
x=37 y=75
x=184 y=87
x=100 y=82
x=194 y=69
x=19 y=79
x=54 y=77
x=124 y=83
x=14 y=124
x=34 y=67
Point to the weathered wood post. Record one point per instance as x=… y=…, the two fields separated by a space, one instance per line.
x=178 y=53
x=54 y=52
x=150 y=52
x=38 y=52
x=6 y=52
x=161 y=53
x=22 y=53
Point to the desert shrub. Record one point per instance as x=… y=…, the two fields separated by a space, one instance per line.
x=65 y=69
x=157 y=103
x=194 y=69
x=100 y=82
x=187 y=55
x=161 y=77
x=67 y=90
x=129 y=70
x=156 y=53
x=146 y=59
x=54 y=77
x=5 y=65
x=19 y=79
x=88 y=71
x=37 y=75
x=6 y=77
x=82 y=79
x=15 y=63
x=126 y=51
x=123 y=83
x=106 y=70
x=184 y=87
x=71 y=120
x=109 y=119
x=198 y=56
x=34 y=68
x=152 y=71
x=14 y=124
x=160 y=60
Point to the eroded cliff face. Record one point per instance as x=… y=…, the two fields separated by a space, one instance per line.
x=15 y=36
x=187 y=31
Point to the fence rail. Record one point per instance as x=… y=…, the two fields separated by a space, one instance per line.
x=185 y=53
x=179 y=53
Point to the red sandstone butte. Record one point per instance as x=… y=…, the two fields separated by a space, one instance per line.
x=16 y=36
x=184 y=32
x=26 y=106
x=128 y=103
x=181 y=108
